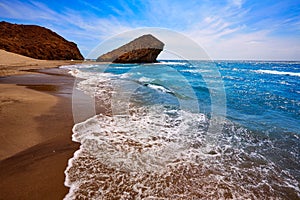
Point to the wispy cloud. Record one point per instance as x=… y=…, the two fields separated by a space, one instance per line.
x=237 y=3
x=238 y=29
x=86 y=30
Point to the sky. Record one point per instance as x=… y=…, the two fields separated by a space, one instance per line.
x=225 y=29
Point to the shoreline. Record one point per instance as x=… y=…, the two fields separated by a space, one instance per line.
x=36 y=170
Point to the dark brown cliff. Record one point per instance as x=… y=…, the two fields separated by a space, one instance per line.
x=36 y=42
x=144 y=49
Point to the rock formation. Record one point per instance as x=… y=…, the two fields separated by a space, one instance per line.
x=36 y=42
x=144 y=49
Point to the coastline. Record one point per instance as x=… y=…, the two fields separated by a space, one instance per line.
x=38 y=171
x=37 y=126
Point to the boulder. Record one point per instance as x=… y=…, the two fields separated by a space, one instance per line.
x=36 y=42
x=144 y=49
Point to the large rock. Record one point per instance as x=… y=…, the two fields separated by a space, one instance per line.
x=144 y=49
x=36 y=42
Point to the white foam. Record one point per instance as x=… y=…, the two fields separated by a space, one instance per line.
x=196 y=71
x=138 y=143
x=156 y=153
x=145 y=79
x=159 y=88
x=277 y=72
x=171 y=63
x=124 y=66
x=284 y=83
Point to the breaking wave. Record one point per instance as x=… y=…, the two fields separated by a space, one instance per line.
x=158 y=153
x=278 y=72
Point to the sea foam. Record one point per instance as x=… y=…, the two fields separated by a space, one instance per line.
x=158 y=152
x=277 y=72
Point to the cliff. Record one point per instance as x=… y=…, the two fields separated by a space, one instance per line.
x=144 y=49
x=36 y=42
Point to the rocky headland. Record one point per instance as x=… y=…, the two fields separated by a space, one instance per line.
x=144 y=49
x=37 y=42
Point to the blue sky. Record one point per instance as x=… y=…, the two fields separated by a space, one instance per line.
x=226 y=29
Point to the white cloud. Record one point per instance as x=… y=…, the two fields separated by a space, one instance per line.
x=237 y=3
x=256 y=45
x=86 y=31
x=221 y=30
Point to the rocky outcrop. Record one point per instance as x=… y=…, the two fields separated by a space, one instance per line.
x=144 y=49
x=36 y=42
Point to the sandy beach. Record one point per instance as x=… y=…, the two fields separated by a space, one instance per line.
x=36 y=122
x=15 y=64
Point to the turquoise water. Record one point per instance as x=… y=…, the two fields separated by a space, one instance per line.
x=231 y=124
x=263 y=96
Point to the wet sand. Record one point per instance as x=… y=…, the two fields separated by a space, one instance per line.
x=36 y=122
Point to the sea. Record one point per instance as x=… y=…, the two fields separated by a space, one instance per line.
x=181 y=129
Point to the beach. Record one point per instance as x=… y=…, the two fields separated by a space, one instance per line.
x=36 y=127
x=149 y=100
x=146 y=142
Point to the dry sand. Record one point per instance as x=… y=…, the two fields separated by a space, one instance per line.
x=15 y=64
x=35 y=128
